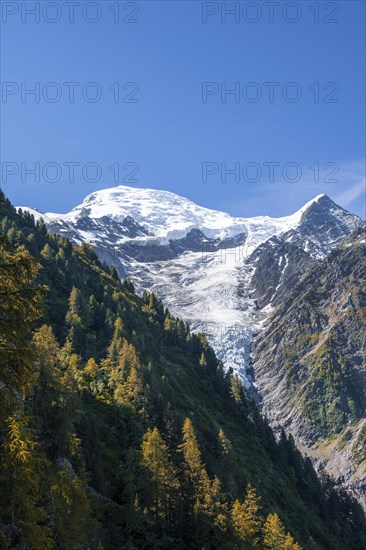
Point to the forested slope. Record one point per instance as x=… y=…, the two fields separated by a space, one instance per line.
x=119 y=428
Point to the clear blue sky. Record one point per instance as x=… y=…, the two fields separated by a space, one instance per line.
x=170 y=131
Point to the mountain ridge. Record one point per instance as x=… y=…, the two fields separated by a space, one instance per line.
x=142 y=204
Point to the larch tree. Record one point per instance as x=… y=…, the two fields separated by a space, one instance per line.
x=127 y=358
x=246 y=519
x=53 y=398
x=236 y=388
x=273 y=533
x=76 y=319
x=290 y=544
x=22 y=483
x=224 y=442
x=116 y=342
x=20 y=306
x=89 y=373
x=155 y=459
x=203 y=496
x=203 y=361
x=194 y=468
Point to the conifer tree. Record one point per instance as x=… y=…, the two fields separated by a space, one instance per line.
x=236 y=388
x=116 y=342
x=194 y=468
x=61 y=256
x=131 y=392
x=246 y=519
x=131 y=474
x=225 y=444
x=51 y=395
x=181 y=330
x=170 y=425
x=273 y=533
x=76 y=303
x=77 y=320
x=89 y=373
x=47 y=253
x=125 y=379
x=127 y=359
x=156 y=307
x=155 y=459
x=290 y=544
x=127 y=283
x=203 y=495
x=72 y=514
x=55 y=396
x=203 y=362
x=20 y=306
x=23 y=493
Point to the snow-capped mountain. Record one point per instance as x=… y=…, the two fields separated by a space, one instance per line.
x=267 y=292
x=163 y=216
x=221 y=273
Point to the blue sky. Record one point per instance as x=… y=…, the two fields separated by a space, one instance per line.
x=181 y=135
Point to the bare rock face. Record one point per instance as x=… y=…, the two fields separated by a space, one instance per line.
x=310 y=362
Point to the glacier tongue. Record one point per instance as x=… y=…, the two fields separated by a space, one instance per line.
x=202 y=288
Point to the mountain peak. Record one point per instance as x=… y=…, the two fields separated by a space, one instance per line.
x=323 y=203
x=321 y=206
x=322 y=200
x=322 y=196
